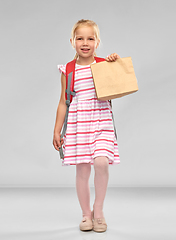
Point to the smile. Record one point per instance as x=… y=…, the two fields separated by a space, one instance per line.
x=85 y=49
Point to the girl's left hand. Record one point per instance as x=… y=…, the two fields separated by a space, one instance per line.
x=112 y=58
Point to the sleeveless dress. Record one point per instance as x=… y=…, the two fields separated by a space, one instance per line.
x=90 y=130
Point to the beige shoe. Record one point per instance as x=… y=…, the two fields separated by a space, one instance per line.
x=86 y=224
x=99 y=224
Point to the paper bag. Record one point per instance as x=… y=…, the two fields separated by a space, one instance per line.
x=114 y=79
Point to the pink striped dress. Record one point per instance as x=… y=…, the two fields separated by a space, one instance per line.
x=90 y=131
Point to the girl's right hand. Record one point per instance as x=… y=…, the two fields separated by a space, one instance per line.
x=57 y=141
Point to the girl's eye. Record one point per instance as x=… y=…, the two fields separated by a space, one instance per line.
x=79 y=38
x=91 y=39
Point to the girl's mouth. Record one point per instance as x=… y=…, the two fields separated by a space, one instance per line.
x=85 y=50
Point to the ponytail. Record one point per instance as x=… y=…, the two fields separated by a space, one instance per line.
x=76 y=56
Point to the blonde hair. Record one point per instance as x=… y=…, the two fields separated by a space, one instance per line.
x=85 y=22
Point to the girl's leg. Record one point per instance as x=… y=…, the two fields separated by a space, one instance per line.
x=101 y=166
x=83 y=171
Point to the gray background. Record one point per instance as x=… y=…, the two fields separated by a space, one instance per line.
x=35 y=38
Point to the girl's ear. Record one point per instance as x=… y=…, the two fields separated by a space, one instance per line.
x=98 y=42
x=72 y=43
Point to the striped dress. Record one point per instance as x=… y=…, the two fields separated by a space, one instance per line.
x=90 y=131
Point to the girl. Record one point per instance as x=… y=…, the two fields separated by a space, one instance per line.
x=89 y=138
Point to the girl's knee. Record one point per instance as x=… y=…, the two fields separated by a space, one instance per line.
x=101 y=163
x=83 y=169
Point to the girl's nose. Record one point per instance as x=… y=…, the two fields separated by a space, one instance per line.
x=85 y=42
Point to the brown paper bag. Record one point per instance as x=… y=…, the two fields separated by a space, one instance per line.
x=114 y=79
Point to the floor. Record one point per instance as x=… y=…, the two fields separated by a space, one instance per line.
x=54 y=213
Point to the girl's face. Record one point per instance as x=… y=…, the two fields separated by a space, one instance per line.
x=85 y=41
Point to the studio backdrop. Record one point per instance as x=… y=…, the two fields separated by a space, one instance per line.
x=35 y=39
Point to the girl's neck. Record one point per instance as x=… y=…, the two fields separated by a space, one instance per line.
x=85 y=61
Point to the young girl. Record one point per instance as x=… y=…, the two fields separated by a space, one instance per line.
x=90 y=137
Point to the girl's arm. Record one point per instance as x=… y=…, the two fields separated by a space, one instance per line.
x=60 y=116
x=113 y=57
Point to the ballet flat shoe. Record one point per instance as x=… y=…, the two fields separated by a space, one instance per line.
x=86 y=224
x=99 y=224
